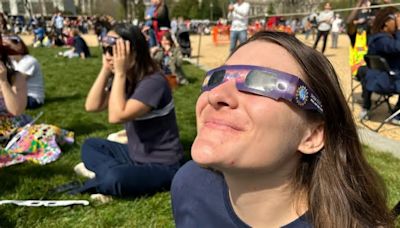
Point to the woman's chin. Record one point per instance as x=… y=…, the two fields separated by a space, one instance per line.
x=203 y=153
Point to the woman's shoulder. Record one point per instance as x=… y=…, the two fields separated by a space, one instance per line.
x=194 y=176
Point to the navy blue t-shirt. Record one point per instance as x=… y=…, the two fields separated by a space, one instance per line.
x=200 y=198
x=154 y=137
x=81 y=46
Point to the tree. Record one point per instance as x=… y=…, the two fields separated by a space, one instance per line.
x=271 y=9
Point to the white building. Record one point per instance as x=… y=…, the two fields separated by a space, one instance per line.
x=44 y=7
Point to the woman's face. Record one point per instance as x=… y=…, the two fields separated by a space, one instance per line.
x=165 y=42
x=390 y=26
x=239 y=131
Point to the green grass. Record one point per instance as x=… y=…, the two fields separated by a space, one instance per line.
x=67 y=82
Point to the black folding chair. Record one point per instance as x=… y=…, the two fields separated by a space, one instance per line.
x=379 y=63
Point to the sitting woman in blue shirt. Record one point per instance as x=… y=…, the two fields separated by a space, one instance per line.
x=276 y=146
x=384 y=42
x=134 y=92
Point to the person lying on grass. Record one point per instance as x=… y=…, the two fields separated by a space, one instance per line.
x=131 y=88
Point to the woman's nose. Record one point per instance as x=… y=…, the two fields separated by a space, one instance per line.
x=225 y=94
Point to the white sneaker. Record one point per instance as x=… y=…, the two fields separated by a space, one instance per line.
x=119 y=137
x=81 y=170
x=395 y=121
x=101 y=198
x=364 y=114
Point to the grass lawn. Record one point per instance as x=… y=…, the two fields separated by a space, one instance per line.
x=67 y=82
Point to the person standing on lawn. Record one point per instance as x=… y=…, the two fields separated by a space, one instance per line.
x=134 y=92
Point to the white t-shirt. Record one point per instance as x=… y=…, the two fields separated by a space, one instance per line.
x=29 y=66
x=336 y=25
x=324 y=20
x=240 y=16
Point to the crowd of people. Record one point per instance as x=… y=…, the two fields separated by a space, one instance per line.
x=254 y=171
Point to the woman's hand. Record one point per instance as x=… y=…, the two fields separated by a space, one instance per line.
x=106 y=65
x=3 y=72
x=122 y=57
x=167 y=47
x=398 y=21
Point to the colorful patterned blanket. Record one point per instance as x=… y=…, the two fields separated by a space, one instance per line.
x=37 y=143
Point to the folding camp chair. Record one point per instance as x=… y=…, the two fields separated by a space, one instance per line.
x=376 y=62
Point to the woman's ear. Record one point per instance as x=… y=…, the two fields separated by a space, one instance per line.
x=313 y=139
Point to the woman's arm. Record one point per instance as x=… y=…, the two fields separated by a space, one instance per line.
x=98 y=96
x=15 y=95
x=353 y=13
x=121 y=109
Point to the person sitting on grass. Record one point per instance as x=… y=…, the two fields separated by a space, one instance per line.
x=170 y=58
x=276 y=146
x=79 y=47
x=29 y=67
x=13 y=96
x=132 y=89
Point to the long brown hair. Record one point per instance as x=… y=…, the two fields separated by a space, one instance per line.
x=342 y=189
x=382 y=17
x=6 y=61
x=144 y=64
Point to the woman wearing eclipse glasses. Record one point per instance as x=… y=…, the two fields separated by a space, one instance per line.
x=134 y=92
x=276 y=146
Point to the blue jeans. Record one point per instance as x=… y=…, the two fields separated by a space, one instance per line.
x=118 y=175
x=33 y=103
x=236 y=36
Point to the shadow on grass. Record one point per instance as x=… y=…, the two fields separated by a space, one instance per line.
x=82 y=127
x=19 y=175
x=4 y=222
x=63 y=98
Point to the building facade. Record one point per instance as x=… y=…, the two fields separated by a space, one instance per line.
x=43 y=7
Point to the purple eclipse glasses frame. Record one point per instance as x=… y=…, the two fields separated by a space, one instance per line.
x=12 y=38
x=109 y=41
x=265 y=82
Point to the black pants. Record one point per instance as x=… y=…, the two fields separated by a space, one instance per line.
x=365 y=94
x=325 y=35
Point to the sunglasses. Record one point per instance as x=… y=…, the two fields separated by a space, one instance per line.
x=266 y=82
x=14 y=39
x=108 y=42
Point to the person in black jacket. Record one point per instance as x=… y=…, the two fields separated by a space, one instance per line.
x=384 y=42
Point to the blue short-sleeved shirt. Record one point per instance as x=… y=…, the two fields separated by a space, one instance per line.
x=200 y=199
x=154 y=137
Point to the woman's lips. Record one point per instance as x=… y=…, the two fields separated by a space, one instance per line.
x=222 y=125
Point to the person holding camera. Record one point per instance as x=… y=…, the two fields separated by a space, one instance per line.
x=134 y=92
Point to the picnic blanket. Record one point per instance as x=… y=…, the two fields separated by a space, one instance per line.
x=38 y=143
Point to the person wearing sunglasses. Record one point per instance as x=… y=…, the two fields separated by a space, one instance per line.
x=276 y=146
x=134 y=92
x=28 y=66
x=13 y=95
